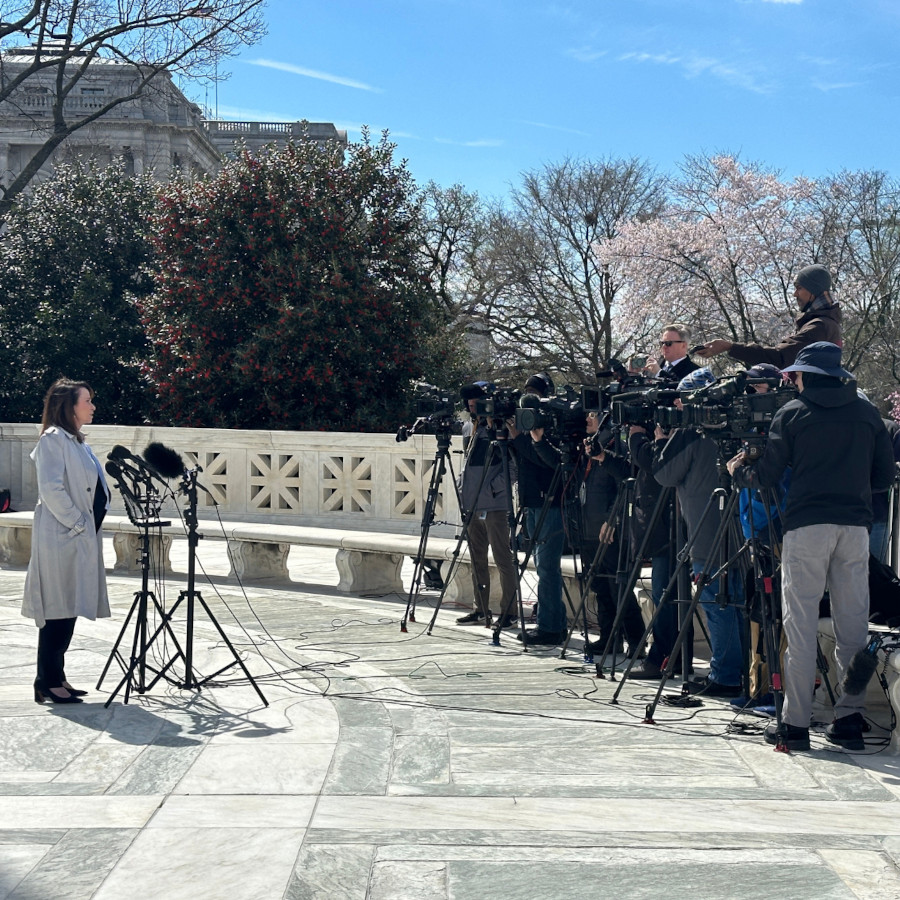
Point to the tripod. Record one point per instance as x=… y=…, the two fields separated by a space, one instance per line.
x=438 y=470
x=141 y=644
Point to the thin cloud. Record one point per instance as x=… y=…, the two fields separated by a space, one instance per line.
x=793 y=2
x=480 y=142
x=586 y=54
x=825 y=87
x=312 y=73
x=552 y=127
x=694 y=66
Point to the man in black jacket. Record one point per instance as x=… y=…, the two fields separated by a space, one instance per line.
x=538 y=460
x=673 y=346
x=839 y=452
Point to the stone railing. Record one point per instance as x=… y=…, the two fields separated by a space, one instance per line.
x=366 y=482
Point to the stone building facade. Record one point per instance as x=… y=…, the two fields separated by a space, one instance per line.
x=161 y=130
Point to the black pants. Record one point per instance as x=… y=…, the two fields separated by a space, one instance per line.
x=604 y=586
x=53 y=641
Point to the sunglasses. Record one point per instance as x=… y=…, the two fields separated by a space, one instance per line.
x=669 y=343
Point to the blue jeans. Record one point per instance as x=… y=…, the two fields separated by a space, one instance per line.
x=724 y=624
x=878 y=541
x=548 y=551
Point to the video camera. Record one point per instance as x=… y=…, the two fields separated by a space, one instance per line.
x=500 y=404
x=726 y=412
x=563 y=416
x=435 y=410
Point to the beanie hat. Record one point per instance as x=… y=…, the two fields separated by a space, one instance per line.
x=697 y=379
x=815 y=279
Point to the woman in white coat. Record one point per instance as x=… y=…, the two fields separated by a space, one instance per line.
x=66 y=577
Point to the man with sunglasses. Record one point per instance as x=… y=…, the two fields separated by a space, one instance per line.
x=673 y=348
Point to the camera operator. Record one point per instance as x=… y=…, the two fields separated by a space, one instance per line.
x=839 y=452
x=601 y=473
x=687 y=462
x=488 y=524
x=643 y=449
x=538 y=460
x=761 y=520
x=820 y=320
x=674 y=363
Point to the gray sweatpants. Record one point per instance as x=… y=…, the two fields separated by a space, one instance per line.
x=815 y=557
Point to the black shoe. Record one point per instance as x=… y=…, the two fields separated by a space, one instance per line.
x=848 y=732
x=709 y=688
x=42 y=694
x=536 y=636
x=645 y=671
x=791 y=737
x=75 y=692
x=472 y=618
x=597 y=647
x=509 y=620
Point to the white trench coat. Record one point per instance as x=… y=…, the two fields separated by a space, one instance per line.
x=66 y=576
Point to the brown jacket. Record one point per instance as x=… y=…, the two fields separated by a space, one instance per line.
x=816 y=325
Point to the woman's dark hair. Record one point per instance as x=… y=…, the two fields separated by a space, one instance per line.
x=59 y=406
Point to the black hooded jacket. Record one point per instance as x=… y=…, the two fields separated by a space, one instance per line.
x=839 y=453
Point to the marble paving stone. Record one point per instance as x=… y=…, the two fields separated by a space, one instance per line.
x=421 y=759
x=362 y=762
x=76 y=866
x=412 y=881
x=13 y=777
x=77 y=812
x=417 y=721
x=555 y=881
x=16 y=861
x=185 y=864
x=841 y=775
x=32 y=836
x=99 y=763
x=361 y=714
x=601 y=761
x=325 y=872
x=157 y=769
x=60 y=740
x=287 y=720
x=231 y=811
x=504 y=839
x=697 y=816
x=258 y=768
x=874 y=876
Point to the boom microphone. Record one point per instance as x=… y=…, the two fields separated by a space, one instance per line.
x=862 y=667
x=167 y=462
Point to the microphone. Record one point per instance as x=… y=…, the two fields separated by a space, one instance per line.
x=862 y=667
x=120 y=453
x=163 y=460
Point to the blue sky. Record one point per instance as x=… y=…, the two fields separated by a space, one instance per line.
x=478 y=91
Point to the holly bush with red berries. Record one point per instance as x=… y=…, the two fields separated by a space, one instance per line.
x=292 y=294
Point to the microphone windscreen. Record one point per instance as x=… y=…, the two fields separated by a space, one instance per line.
x=529 y=401
x=859 y=673
x=167 y=462
x=112 y=468
x=119 y=452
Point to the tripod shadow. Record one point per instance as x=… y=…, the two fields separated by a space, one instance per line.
x=173 y=726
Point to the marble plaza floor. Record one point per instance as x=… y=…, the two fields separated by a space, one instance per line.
x=391 y=766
